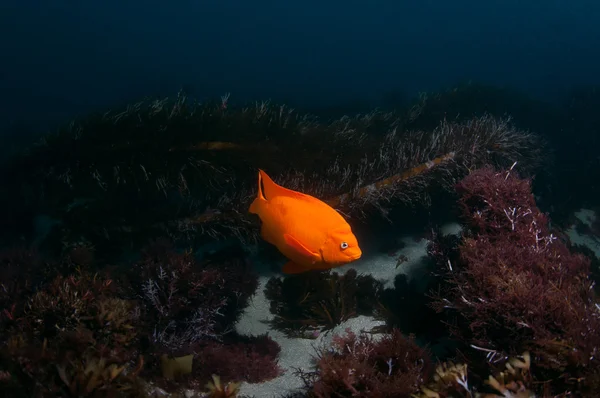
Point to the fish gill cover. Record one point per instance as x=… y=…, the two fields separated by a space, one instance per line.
x=188 y=169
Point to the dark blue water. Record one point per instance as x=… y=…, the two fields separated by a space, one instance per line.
x=64 y=58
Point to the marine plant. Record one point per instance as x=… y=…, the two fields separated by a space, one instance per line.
x=469 y=100
x=594 y=263
x=173 y=292
x=99 y=330
x=407 y=308
x=394 y=365
x=452 y=380
x=20 y=269
x=513 y=285
x=73 y=337
x=216 y=389
x=189 y=307
x=252 y=359
x=311 y=301
x=168 y=166
x=361 y=366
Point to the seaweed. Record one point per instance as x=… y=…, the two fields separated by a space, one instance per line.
x=81 y=332
x=217 y=390
x=514 y=285
x=360 y=366
x=176 y=167
x=452 y=380
x=305 y=303
x=74 y=338
x=251 y=359
x=184 y=300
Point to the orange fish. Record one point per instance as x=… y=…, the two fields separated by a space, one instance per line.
x=310 y=233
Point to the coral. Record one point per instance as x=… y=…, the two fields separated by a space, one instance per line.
x=360 y=366
x=514 y=286
x=313 y=300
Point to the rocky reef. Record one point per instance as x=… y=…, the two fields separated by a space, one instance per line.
x=128 y=255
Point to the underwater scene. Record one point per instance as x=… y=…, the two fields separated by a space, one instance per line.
x=300 y=199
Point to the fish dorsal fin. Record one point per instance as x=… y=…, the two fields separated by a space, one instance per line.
x=271 y=189
x=258 y=203
x=261 y=193
x=300 y=248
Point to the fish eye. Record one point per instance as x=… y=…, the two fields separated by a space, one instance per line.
x=344 y=245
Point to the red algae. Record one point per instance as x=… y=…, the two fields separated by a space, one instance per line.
x=360 y=366
x=514 y=285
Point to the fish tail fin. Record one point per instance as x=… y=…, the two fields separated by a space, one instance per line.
x=260 y=200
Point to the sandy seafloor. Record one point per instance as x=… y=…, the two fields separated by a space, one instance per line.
x=298 y=353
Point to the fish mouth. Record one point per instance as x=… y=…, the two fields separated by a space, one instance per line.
x=356 y=257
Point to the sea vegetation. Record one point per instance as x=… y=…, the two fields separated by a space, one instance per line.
x=518 y=301
x=394 y=365
x=91 y=308
x=187 y=170
x=305 y=304
x=164 y=321
x=514 y=285
x=360 y=366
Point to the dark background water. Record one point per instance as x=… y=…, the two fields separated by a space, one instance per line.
x=65 y=58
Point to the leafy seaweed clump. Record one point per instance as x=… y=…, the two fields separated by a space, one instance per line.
x=73 y=337
x=513 y=285
x=360 y=366
x=305 y=303
x=167 y=319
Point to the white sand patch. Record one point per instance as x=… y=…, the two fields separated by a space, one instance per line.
x=296 y=353
x=587 y=217
x=384 y=267
x=453 y=228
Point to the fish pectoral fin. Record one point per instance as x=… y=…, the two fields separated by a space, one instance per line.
x=293 y=268
x=300 y=248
